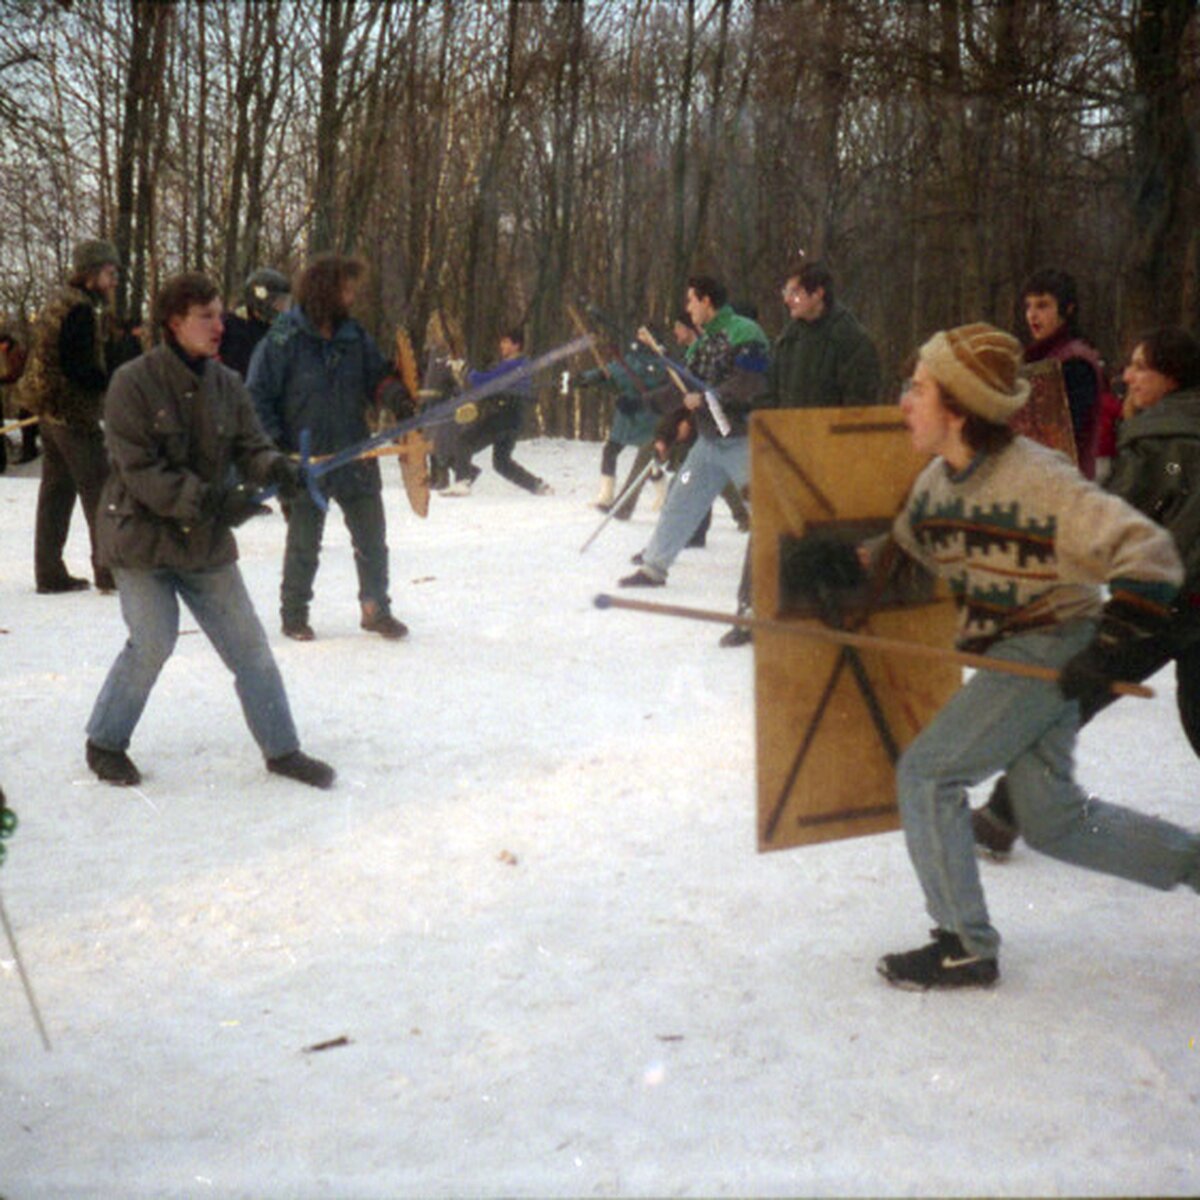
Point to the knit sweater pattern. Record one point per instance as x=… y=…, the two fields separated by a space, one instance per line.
x=1023 y=540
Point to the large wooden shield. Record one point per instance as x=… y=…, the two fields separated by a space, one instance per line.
x=831 y=721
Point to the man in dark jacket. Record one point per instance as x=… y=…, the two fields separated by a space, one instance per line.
x=824 y=358
x=185 y=448
x=318 y=370
x=267 y=295
x=1157 y=470
x=74 y=352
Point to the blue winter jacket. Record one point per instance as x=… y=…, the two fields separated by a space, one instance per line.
x=300 y=380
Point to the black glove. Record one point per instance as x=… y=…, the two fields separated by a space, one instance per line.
x=237 y=505
x=815 y=566
x=1115 y=653
x=285 y=475
x=392 y=397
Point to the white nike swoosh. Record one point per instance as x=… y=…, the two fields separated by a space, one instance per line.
x=960 y=962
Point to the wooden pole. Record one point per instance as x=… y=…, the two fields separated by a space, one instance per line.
x=863 y=641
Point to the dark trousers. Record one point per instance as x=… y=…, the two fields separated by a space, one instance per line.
x=364 y=519
x=74 y=463
x=644 y=455
x=1181 y=642
x=495 y=429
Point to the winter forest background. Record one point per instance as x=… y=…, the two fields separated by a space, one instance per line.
x=501 y=158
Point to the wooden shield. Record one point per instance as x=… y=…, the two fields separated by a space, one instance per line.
x=1046 y=415
x=830 y=721
x=413 y=453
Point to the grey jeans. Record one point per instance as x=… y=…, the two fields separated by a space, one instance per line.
x=710 y=465
x=1023 y=726
x=223 y=609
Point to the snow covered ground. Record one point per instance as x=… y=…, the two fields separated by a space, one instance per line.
x=533 y=908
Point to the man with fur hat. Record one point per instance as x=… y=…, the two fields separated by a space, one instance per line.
x=1024 y=541
x=73 y=355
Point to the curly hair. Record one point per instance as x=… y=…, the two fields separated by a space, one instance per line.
x=318 y=289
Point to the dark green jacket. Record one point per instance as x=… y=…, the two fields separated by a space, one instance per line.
x=732 y=356
x=173 y=437
x=1157 y=470
x=827 y=363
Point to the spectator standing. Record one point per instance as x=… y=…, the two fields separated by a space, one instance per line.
x=74 y=351
x=1051 y=303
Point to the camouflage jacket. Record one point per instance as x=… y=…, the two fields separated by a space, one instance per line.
x=46 y=388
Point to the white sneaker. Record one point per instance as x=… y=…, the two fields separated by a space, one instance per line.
x=604 y=497
x=460 y=487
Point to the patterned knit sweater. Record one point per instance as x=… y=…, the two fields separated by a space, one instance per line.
x=1023 y=540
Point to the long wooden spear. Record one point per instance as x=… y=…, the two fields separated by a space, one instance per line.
x=864 y=641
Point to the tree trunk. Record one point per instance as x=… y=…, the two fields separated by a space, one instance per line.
x=1166 y=200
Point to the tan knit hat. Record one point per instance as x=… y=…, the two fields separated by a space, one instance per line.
x=979 y=366
x=94 y=254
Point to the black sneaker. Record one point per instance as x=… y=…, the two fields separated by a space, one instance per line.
x=738 y=635
x=303 y=769
x=642 y=577
x=298 y=629
x=944 y=963
x=113 y=766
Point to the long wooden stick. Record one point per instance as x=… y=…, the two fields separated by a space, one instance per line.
x=864 y=641
x=16 y=953
x=19 y=424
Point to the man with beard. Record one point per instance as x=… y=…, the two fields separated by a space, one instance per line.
x=75 y=350
x=319 y=370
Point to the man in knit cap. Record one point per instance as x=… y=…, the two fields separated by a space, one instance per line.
x=1023 y=541
x=74 y=353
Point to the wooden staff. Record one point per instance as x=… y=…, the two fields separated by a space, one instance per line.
x=864 y=641
x=583 y=331
x=652 y=343
x=19 y=424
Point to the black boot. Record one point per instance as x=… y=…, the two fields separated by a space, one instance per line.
x=300 y=767
x=995 y=824
x=113 y=766
x=380 y=621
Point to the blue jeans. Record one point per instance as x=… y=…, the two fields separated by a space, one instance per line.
x=710 y=465
x=222 y=607
x=1024 y=727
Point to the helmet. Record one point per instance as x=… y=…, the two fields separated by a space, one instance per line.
x=263 y=288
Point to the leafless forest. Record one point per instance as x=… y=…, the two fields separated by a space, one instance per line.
x=501 y=158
